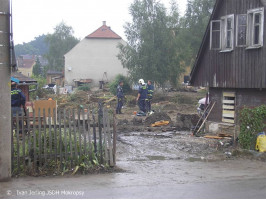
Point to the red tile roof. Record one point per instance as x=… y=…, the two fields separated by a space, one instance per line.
x=104 y=32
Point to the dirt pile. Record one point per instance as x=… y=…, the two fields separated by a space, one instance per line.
x=185 y=122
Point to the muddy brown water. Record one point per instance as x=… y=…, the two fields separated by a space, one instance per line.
x=157 y=165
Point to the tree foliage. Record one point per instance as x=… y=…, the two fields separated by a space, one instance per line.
x=37 y=68
x=38 y=46
x=160 y=42
x=152 y=52
x=60 y=42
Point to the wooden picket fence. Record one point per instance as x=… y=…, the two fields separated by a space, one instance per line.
x=64 y=138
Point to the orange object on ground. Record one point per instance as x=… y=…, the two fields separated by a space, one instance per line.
x=160 y=123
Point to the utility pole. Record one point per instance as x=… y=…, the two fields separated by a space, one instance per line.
x=5 y=97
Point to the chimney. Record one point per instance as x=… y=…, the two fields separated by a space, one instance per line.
x=104 y=23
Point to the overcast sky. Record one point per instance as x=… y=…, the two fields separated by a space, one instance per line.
x=32 y=18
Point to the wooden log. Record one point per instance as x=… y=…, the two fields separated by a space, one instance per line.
x=212 y=137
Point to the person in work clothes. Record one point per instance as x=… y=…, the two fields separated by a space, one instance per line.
x=142 y=96
x=150 y=88
x=18 y=100
x=120 y=96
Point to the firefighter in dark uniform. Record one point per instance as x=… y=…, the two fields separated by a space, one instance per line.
x=120 y=96
x=18 y=100
x=142 y=96
x=150 y=88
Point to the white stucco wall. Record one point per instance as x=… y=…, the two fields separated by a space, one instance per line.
x=90 y=58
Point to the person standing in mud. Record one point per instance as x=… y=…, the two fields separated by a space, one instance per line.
x=142 y=96
x=120 y=96
x=150 y=88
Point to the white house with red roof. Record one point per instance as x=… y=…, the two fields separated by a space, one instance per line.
x=94 y=59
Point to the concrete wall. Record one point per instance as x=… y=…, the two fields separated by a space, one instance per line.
x=90 y=58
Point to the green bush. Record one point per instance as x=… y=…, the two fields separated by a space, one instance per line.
x=113 y=85
x=85 y=87
x=252 y=122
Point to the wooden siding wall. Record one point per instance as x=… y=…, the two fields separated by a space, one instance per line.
x=240 y=68
x=244 y=97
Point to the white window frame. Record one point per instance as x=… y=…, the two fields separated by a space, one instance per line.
x=225 y=30
x=237 y=29
x=211 y=32
x=251 y=28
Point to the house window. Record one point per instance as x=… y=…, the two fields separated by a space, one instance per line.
x=255 y=28
x=228 y=33
x=241 y=32
x=215 y=35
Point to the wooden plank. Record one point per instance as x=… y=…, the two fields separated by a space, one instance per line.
x=89 y=130
x=34 y=142
x=50 y=133
x=229 y=115
x=18 y=151
x=29 y=137
x=105 y=137
x=212 y=137
x=229 y=94
x=110 y=146
x=45 y=140
x=228 y=120
x=75 y=138
x=65 y=135
x=55 y=134
x=60 y=139
x=227 y=107
x=40 y=137
x=232 y=112
x=94 y=134
x=79 y=131
x=70 y=138
x=45 y=105
x=114 y=137
x=84 y=133
x=229 y=102
x=23 y=141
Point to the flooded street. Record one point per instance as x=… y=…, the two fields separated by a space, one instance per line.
x=156 y=165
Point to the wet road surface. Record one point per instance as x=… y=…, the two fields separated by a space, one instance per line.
x=163 y=165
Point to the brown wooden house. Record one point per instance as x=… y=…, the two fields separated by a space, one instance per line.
x=231 y=61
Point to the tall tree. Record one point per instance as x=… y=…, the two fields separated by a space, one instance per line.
x=37 y=68
x=194 y=24
x=60 y=42
x=151 y=52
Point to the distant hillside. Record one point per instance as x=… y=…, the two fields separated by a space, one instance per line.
x=38 y=46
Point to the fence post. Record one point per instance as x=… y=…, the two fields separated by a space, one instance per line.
x=114 y=136
x=100 y=121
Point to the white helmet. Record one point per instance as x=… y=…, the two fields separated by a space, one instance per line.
x=141 y=81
